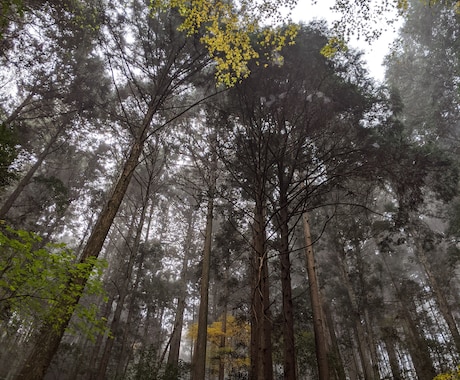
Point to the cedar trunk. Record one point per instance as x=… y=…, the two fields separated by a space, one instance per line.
x=49 y=337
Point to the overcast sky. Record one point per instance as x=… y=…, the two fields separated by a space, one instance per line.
x=374 y=54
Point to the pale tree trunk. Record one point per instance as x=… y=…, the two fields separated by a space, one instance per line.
x=199 y=354
x=320 y=336
x=439 y=296
x=50 y=336
x=290 y=367
x=174 y=348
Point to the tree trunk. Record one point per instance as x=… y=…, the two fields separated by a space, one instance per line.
x=199 y=354
x=30 y=173
x=288 y=314
x=92 y=369
x=320 y=337
x=223 y=343
x=438 y=293
x=50 y=336
x=336 y=356
x=418 y=347
x=389 y=339
x=261 y=345
x=363 y=348
x=174 y=348
x=124 y=290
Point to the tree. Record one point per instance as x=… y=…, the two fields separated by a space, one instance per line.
x=184 y=57
x=8 y=153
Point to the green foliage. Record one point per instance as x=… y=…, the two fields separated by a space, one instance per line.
x=8 y=153
x=7 y=8
x=33 y=279
x=148 y=368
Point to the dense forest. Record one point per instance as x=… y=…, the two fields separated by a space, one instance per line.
x=188 y=194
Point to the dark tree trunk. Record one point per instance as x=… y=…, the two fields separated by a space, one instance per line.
x=124 y=292
x=389 y=338
x=49 y=336
x=261 y=345
x=356 y=315
x=30 y=173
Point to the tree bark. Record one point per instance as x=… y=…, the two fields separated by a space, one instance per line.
x=50 y=336
x=320 y=337
x=199 y=354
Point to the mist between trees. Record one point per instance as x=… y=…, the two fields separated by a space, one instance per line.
x=186 y=196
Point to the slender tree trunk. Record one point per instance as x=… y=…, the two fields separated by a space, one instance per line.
x=320 y=336
x=288 y=314
x=124 y=289
x=92 y=369
x=363 y=348
x=223 y=343
x=30 y=173
x=337 y=357
x=389 y=339
x=50 y=336
x=173 y=357
x=19 y=108
x=439 y=296
x=261 y=347
x=199 y=354
x=126 y=347
x=418 y=347
x=415 y=341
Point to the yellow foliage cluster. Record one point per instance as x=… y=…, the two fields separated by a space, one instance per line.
x=453 y=375
x=226 y=31
x=333 y=46
x=237 y=334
